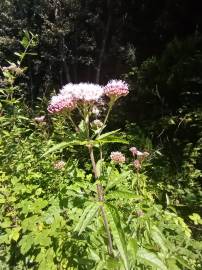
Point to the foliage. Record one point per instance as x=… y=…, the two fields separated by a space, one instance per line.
x=62 y=215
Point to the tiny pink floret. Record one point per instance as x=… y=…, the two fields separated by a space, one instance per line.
x=40 y=119
x=116 y=89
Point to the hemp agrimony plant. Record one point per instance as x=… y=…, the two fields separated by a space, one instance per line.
x=16 y=69
x=88 y=100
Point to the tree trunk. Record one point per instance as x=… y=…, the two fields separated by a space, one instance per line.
x=102 y=51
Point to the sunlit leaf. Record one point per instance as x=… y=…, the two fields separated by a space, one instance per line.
x=87 y=216
x=151 y=259
x=117 y=232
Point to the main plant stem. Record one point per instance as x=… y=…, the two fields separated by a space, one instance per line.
x=100 y=193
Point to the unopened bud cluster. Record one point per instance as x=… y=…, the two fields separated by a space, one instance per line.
x=138 y=157
x=13 y=68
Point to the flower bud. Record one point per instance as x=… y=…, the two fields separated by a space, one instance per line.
x=137 y=164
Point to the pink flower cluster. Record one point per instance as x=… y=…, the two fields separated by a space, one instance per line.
x=60 y=103
x=85 y=93
x=116 y=89
x=117 y=157
x=139 y=157
x=58 y=165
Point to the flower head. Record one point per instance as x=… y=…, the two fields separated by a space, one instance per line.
x=117 y=157
x=58 y=165
x=84 y=92
x=60 y=103
x=116 y=89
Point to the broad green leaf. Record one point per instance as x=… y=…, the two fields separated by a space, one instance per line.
x=88 y=214
x=113 y=264
x=117 y=232
x=42 y=238
x=133 y=247
x=159 y=239
x=171 y=263
x=26 y=243
x=6 y=223
x=24 y=42
x=46 y=260
x=151 y=259
x=14 y=234
x=2 y=199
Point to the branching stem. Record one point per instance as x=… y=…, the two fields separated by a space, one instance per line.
x=100 y=193
x=73 y=123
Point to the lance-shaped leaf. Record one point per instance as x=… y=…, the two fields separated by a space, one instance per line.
x=87 y=216
x=112 y=139
x=63 y=145
x=150 y=258
x=56 y=147
x=183 y=262
x=122 y=195
x=159 y=239
x=107 y=134
x=117 y=232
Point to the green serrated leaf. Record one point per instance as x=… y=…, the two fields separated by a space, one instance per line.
x=183 y=262
x=112 y=139
x=171 y=263
x=133 y=247
x=117 y=232
x=56 y=147
x=151 y=259
x=88 y=214
x=26 y=243
x=159 y=239
x=2 y=199
x=122 y=195
x=63 y=145
x=107 y=134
